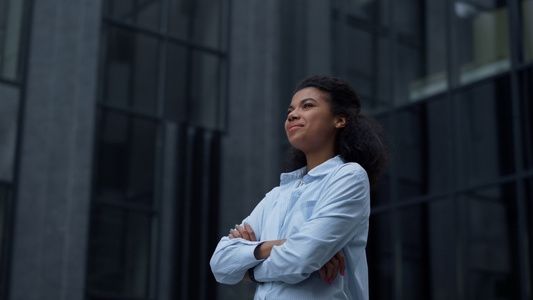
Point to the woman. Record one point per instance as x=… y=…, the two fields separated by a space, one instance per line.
x=314 y=225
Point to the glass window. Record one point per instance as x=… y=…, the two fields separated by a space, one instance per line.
x=443 y=234
x=142 y=13
x=490 y=265
x=361 y=56
x=126 y=159
x=5 y=198
x=414 y=252
x=200 y=21
x=364 y=10
x=119 y=253
x=205 y=93
x=485 y=133
x=411 y=152
x=380 y=256
x=382 y=194
x=526 y=109
x=440 y=144
x=177 y=82
x=527 y=28
x=423 y=147
x=11 y=17
x=9 y=102
x=528 y=193
x=131 y=70
x=481 y=39
x=421 y=49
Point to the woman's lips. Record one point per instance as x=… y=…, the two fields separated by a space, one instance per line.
x=294 y=127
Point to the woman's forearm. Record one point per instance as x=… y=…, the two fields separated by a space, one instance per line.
x=262 y=251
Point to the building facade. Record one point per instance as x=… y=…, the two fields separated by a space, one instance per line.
x=135 y=133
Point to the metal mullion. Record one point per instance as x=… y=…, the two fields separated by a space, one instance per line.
x=157 y=34
x=126 y=206
x=450 y=92
x=127 y=111
x=515 y=35
x=431 y=197
x=159 y=169
x=452 y=78
x=11 y=82
x=395 y=219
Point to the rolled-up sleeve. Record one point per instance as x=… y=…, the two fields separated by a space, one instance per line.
x=233 y=257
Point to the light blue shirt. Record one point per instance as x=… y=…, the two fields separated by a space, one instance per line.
x=319 y=213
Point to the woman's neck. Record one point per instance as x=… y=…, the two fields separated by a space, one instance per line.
x=314 y=160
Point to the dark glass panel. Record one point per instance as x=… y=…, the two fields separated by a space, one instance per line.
x=11 y=26
x=421 y=49
x=142 y=13
x=198 y=21
x=9 y=107
x=371 y=11
x=207 y=22
x=414 y=252
x=361 y=56
x=177 y=82
x=480 y=39
x=490 y=257
x=411 y=152
x=205 y=91
x=527 y=29
x=126 y=159
x=485 y=133
x=119 y=253
x=131 y=70
x=443 y=234
x=440 y=164
x=380 y=254
x=5 y=198
x=526 y=110
x=179 y=18
x=528 y=195
x=382 y=194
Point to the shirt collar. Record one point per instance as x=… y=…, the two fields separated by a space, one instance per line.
x=317 y=171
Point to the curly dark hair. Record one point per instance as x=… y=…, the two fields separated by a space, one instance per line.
x=361 y=140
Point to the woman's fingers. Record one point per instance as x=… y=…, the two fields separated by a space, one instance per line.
x=334 y=269
x=234 y=233
x=330 y=270
x=322 y=273
x=342 y=262
x=250 y=232
x=246 y=232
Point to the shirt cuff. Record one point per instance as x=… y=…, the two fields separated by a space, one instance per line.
x=247 y=255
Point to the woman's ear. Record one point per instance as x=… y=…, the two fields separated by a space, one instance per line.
x=340 y=121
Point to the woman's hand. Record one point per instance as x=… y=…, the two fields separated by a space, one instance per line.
x=336 y=264
x=246 y=232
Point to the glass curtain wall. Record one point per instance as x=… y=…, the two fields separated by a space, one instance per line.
x=451 y=83
x=160 y=106
x=13 y=18
x=11 y=25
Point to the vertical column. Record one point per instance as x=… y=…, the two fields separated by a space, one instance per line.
x=52 y=204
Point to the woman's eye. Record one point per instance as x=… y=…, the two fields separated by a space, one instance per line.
x=306 y=105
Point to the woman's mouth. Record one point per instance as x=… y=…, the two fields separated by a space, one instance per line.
x=294 y=127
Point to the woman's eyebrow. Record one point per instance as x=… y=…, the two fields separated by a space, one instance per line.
x=303 y=101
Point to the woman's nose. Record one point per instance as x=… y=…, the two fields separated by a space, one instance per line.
x=292 y=116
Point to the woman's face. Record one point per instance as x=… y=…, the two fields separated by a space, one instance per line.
x=310 y=125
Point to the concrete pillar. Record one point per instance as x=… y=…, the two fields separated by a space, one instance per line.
x=52 y=203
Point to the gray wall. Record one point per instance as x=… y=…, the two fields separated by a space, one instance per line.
x=51 y=220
